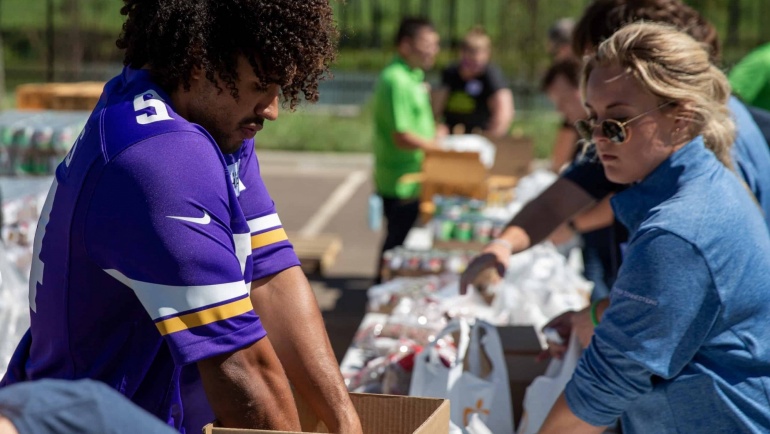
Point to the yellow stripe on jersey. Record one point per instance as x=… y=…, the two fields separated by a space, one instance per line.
x=267 y=238
x=204 y=317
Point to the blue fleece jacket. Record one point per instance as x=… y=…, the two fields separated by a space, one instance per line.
x=685 y=345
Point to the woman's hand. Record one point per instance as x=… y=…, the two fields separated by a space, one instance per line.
x=565 y=324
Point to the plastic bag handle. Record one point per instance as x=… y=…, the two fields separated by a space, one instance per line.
x=460 y=324
x=491 y=344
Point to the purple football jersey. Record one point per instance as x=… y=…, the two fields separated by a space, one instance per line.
x=144 y=253
x=271 y=250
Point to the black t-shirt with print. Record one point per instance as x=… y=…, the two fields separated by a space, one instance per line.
x=468 y=99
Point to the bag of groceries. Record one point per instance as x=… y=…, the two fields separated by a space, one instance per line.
x=475 y=380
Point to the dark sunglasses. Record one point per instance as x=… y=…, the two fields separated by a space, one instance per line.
x=612 y=129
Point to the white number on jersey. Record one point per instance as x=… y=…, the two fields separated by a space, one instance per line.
x=36 y=274
x=150 y=99
x=71 y=153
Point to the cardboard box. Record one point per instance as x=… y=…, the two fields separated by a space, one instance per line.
x=513 y=156
x=379 y=414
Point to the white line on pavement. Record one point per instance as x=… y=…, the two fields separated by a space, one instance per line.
x=336 y=201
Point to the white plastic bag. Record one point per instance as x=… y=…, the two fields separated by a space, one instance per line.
x=477 y=404
x=545 y=389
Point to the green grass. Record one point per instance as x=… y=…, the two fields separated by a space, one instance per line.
x=310 y=130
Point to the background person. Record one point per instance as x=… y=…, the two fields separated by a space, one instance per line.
x=601 y=236
x=584 y=182
x=160 y=263
x=559 y=43
x=560 y=86
x=404 y=127
x=474 y=96
x=676 y=350
x=750 y=78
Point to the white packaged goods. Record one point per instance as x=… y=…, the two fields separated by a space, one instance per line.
x=539 y=285
x=530 y=186
x=471 y=143
x=23 y=200
x=14 y=310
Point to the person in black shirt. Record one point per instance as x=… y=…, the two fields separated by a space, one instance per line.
x=474 y=96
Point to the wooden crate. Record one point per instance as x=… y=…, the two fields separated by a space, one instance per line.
x=58 y=96
x=316 y=253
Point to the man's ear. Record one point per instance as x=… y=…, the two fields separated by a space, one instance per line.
x=197 y=73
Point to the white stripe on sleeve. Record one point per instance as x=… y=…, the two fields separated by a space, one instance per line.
x=266 y=222
x=163 y=300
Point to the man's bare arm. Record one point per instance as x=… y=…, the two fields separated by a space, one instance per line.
x=413 y=141
x=290 y=314
x=248 y=389
x=502 y=110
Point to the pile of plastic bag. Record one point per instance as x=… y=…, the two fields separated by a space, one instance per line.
x=23 y=199
x=540 y=283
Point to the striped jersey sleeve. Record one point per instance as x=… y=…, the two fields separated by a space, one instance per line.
x=271 y=251
x=179 y=241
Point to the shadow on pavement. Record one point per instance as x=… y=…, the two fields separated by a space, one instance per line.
x=343 y=318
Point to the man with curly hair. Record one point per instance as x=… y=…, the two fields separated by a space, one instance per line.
x=160 y=262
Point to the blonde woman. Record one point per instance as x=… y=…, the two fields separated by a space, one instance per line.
x=685 y=344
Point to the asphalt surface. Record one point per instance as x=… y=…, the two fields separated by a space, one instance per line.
x=328 y=193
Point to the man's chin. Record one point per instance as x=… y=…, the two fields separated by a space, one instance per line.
x=230 y=148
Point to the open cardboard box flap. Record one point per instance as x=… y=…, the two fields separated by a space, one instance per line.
x=378 y=413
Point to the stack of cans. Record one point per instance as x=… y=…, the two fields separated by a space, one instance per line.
x=34 y=143
x=461 y=219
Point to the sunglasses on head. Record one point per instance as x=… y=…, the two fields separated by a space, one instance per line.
x=612 y=129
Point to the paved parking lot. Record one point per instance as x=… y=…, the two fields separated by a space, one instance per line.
x=328 y=193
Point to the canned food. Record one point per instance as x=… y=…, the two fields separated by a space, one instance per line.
x=464 y=230
x=482 y=231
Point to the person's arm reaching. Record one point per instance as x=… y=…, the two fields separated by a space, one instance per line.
x=538 y=219
x=407 y=140
x=561 y=419
x=289 y=312
x=502 y=110
x=597 y=217
x=248 y=389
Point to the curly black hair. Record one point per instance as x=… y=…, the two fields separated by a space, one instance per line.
x=288 y=42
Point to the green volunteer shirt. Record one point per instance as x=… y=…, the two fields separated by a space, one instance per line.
x=750 y=78
x=401 y=104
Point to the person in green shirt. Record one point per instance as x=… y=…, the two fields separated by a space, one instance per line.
x=750 y=78
x=404 y=126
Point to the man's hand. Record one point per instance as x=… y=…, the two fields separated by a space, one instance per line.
x=289 y=312
x=494 y=257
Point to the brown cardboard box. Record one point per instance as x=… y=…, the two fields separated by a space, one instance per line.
x=513 y=156
x=379 y=414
